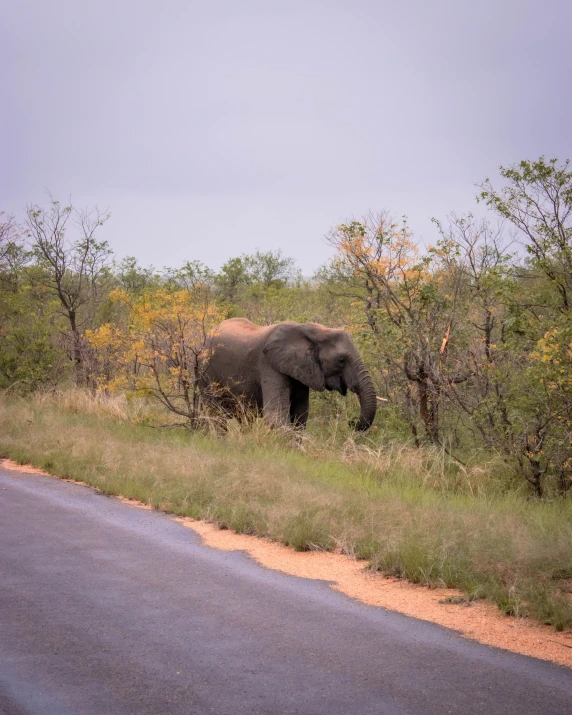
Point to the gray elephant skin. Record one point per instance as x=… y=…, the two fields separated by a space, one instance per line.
x=273 y=369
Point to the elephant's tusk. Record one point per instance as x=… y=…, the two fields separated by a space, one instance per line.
x=381 y=399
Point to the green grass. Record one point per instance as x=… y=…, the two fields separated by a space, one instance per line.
x=409 y=512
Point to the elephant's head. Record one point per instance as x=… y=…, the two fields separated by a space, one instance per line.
x=323 y=359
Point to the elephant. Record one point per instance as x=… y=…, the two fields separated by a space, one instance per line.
x=273 y=369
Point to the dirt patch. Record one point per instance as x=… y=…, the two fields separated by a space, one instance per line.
x=26 y=468
x=480 y=621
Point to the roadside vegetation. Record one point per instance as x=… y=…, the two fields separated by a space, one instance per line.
x=465 y=478
x=411 y=512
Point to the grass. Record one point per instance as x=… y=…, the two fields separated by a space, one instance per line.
x=410 y=512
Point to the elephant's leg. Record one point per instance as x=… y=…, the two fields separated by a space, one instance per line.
x=299 y=404
x=276 y=398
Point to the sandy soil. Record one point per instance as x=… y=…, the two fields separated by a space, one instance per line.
x=480 y=621
x=26 y=468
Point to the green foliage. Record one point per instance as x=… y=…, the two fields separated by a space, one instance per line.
x=232 y=278
x=133 y=278
x=537 y=200
x=28 y=355
x=262 y=270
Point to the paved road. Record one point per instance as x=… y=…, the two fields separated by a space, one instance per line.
x=109 y=609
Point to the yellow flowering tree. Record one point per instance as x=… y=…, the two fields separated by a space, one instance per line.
x=162 y=351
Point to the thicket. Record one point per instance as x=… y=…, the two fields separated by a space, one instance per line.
x=469 y=341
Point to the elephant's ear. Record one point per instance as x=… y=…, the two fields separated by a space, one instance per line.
x=290 y=351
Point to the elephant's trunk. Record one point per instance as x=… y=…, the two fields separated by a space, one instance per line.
x=366 y=393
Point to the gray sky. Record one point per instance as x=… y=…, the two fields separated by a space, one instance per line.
x=211 y=128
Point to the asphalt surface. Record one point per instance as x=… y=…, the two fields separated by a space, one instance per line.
x=105 y=608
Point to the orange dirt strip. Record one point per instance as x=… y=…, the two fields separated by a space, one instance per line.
x=480 y=621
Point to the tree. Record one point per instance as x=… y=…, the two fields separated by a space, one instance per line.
x=193 y=274
x=27 y=353
x=270 y=268
x=478 y=252
x=73 y=270
x=259 y=271
x=232 y=277
x=409 y=307
x=13 y=255
x=162 y=351
x=537 y=199
x=551 y=371
x=134 y=279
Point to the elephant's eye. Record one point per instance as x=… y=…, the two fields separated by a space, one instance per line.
x=342 y=360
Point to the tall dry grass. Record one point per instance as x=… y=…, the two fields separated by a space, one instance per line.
x=410 y=512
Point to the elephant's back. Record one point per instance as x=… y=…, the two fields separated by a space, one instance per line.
x=236 y=332
x=235 y=351
x=240 y=328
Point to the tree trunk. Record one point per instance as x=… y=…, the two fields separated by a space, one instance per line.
x=77 y=354
x=429 y=394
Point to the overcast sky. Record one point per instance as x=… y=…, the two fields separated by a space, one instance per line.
x=210 y=128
